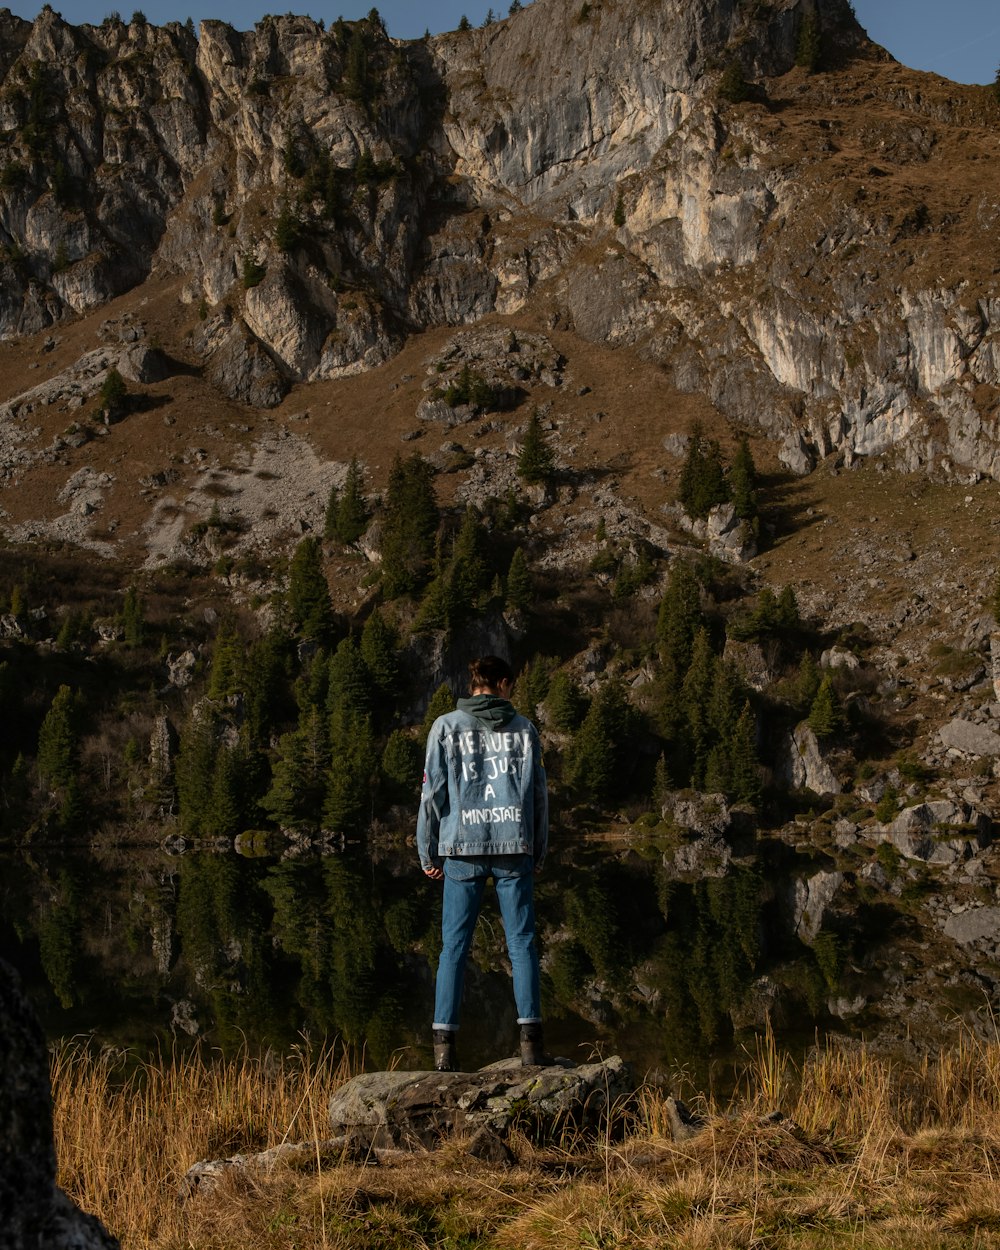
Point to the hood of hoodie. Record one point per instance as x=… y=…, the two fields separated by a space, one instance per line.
x=493 y=711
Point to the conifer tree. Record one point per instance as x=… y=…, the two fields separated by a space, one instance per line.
x=531 y=687
x=59 y=739
x=442 y=702
x=695 y=694
x=536 y=463
x=470 y=567
x=745 y=779
x=703 y=477
x=227 y=659
x=520 y=588
x=733 y=85
x=195 y=769
x=357 y=84
x=299 y=775
x=380 y=651
x=598 y=761
x=132 y=618
x=565 y=703
x=353 y=763
x=309 y=608
x=351 y=685
x=825 y=716
x=743 y=485
x=807 y=681
x=227 y=807
x=787 y=615
x=347 y=512
x=727 y=698
x=402 y=763
x=409 y=526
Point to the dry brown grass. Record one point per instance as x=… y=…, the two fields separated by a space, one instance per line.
x=871 y=1153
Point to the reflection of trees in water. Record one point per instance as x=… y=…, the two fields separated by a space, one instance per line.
x=346 y=946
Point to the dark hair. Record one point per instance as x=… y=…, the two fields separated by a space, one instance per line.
x=489 y=671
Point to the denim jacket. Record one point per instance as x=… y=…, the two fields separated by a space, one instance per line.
x=484 y=791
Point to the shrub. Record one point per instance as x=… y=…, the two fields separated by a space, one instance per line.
x=733 y=86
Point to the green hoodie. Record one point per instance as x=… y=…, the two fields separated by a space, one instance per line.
x=493 y=711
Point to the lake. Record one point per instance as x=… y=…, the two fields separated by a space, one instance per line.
x=146 y=949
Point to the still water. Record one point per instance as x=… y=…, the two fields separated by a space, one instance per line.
x=146 y=949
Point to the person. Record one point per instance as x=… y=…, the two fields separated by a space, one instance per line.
x=484 y=812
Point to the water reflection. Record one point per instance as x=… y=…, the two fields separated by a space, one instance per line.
x=141 y=947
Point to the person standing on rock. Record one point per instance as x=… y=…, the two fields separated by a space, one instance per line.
x=484 y=812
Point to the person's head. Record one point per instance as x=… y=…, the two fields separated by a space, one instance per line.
x=490 y=675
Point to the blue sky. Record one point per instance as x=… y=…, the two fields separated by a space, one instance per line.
x=958 y=38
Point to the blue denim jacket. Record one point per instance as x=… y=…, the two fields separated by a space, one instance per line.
x=484 y=791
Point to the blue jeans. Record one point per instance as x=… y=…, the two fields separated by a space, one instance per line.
x=464 y=882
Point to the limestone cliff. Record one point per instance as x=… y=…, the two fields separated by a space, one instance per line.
x=814 y=258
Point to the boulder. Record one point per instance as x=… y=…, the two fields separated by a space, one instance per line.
x=979 y=928
x=970 y=738
x=34 y=1212
x=419 y=1110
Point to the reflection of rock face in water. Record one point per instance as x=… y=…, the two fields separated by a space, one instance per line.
x=34 y=1213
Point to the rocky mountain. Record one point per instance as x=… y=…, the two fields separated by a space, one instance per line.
x=811 y=258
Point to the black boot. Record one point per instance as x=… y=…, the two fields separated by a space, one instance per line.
x=532 y=1051
x=444 y=1051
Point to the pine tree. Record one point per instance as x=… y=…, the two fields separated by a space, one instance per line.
x=825 y=716
x=299 y=775
x=703 y=477
x=536 y=463
x=807 y=681
x=598 y=763
x=353 y=763
x=357 y=84
x=59 y=739
x=402 y=763
x=132 y=618
x=743 y=485
x=409 y=527
x=112 y=398
x=464 y=24
x=695 y=695
x=227 y=660
x=347 y=512
x=787 y=616
x=733 y=85
x=309 y=608
x=380 y=651
x=745 y=779
x=195 y=768
x=520 y=586
x=565 y=703
x=531 y=687
x=442 y=702
x=679 y=618
x=470 y=567
x=351 y=685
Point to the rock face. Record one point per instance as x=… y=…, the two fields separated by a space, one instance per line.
x=804 y=766
x=324 y=191
x=33 y=1211
x=420 y=1109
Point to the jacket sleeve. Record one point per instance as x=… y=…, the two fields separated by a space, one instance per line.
x=540 y=800
x=433 y=801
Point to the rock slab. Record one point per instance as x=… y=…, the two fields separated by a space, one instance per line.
x=419 y=1110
